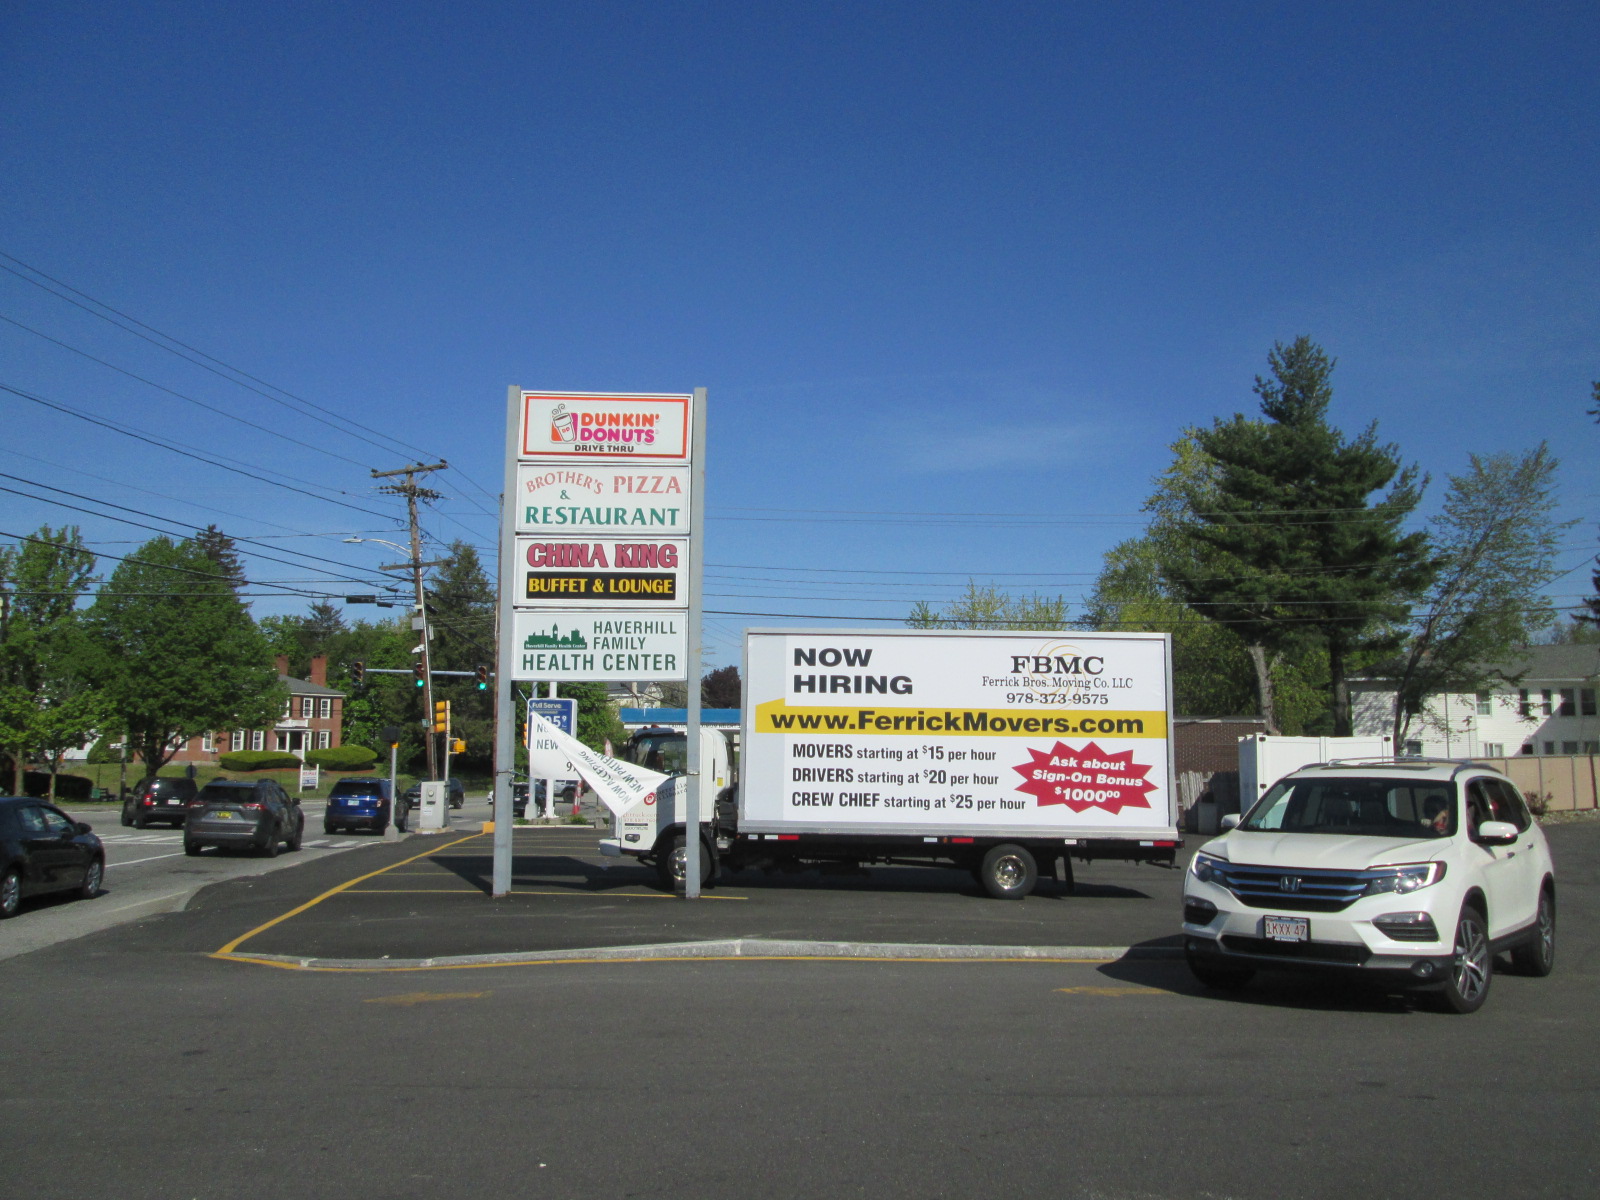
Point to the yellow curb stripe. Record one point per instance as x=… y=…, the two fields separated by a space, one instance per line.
x=294 y=912
x=602 y=962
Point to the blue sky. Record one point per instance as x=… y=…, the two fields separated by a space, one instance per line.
x=955 y=275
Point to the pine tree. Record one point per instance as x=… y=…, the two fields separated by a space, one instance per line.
x=1300 y=540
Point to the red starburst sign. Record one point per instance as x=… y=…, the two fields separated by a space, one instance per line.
x=1086 y=778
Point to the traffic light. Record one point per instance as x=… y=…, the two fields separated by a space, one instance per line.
x=418 y=674
x=441 y=716
x=358 y=673
x=483 y=677
x=457 y=746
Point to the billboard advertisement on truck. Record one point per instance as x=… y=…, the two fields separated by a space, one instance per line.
x=1025 y=734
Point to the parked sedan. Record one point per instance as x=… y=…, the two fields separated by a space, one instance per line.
x=241 y=814
x=44 y=850
x=159 y=800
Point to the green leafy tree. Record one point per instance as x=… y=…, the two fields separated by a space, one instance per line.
x=175 y=652
x=988 y=607
x=461 y=602
x=721 y=688
x=46 y=704
x=1497 y=543
x=1301 y=537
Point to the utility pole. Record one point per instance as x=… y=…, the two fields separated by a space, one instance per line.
x=413 y=491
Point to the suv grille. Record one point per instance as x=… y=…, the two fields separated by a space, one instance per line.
x=1334 y=952
x=1296 y=889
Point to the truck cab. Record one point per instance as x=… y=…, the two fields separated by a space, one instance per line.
x=653 y=830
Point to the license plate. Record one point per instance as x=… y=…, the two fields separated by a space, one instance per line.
x=352 y=803
x=1287 y=929
x=223 y=816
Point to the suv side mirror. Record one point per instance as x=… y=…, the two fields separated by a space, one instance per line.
x=1497 y=833
x=1231 y=821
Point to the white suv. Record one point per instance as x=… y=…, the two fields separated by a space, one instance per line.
x=1415 y=869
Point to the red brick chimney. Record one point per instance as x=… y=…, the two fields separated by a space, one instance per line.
x=319 y=670
x=283 y=664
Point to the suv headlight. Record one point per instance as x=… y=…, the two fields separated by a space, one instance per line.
x=1208 y=868
x=1408 y=877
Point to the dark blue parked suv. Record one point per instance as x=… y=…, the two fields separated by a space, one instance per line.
x=362 y=803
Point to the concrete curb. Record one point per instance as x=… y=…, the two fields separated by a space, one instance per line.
x=755 y=948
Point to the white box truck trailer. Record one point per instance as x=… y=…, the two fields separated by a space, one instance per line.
x=999 y=753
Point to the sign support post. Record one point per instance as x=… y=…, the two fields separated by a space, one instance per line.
x=697 y=501
x=505 y=754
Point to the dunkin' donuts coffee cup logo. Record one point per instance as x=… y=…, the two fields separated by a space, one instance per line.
x=563 y=425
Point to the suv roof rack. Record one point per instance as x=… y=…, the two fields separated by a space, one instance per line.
x=1415 y=761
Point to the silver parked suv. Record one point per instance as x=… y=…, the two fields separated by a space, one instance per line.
x=1419 y=870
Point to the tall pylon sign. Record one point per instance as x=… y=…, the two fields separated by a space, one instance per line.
x=600 y=545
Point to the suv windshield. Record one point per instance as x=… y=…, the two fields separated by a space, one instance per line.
x=357 y=787
x=1396 y=808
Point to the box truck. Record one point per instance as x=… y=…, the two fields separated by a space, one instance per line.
x=1001 y=753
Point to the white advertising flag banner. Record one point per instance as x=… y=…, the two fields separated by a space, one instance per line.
x=1025 y=732
x=619 y=785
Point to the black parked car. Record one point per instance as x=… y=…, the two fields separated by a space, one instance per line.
x=44 y=850
x=159 y=800
x=237 y=813
x=454 y=791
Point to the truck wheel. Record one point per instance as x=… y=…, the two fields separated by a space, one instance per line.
x=672 y=865
x=1008 y=872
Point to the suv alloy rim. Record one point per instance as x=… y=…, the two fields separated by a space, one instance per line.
x=1472 y=962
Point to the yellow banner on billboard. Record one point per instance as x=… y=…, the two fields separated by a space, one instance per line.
x=775 y=716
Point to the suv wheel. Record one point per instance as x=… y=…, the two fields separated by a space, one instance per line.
x=1538 y=957
x=1466 y=984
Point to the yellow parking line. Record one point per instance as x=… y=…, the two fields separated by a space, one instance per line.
x=334 y=891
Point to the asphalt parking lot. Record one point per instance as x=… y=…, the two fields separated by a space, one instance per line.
x=425 y=899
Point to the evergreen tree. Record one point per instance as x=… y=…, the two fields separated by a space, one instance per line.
x=1299 y=539
x=222 y=550
x=175 y=652
x=721 y=688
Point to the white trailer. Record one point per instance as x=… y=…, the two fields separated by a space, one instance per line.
x=1266 y=758
x=998 y=753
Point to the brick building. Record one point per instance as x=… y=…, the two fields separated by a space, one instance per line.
x=313 y=719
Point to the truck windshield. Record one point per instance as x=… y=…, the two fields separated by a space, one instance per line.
x=1363 y=807
x=666 y=752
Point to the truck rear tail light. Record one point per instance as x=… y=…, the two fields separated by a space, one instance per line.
x=788 y=837
x=962 y=841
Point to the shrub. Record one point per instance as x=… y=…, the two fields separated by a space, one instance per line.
x=343 y=758
x=106 y=749
x=68 y=787
x=257 y=760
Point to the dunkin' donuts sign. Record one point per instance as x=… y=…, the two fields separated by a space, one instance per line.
x=643 y=428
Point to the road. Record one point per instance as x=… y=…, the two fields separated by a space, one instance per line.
x=138 y=1065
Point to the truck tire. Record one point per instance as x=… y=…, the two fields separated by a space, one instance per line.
x=672 y=861
x=1008 y=872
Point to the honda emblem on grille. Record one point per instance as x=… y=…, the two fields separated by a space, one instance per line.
x=1289 y=883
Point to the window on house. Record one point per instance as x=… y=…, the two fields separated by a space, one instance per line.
x=208 y=743
x=1549 y=747
x=1586 y=701
x=280 y=740
x=1569 y=747
x=325 y=706
x=324 y=739
x=236 y=740
x=1569 y=702
x=1524 y=707
x=1485 y=704
x=1494 y=750
x=1527 y=747
x=258 y=740
x=1413 y=749
x=1591 y=747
